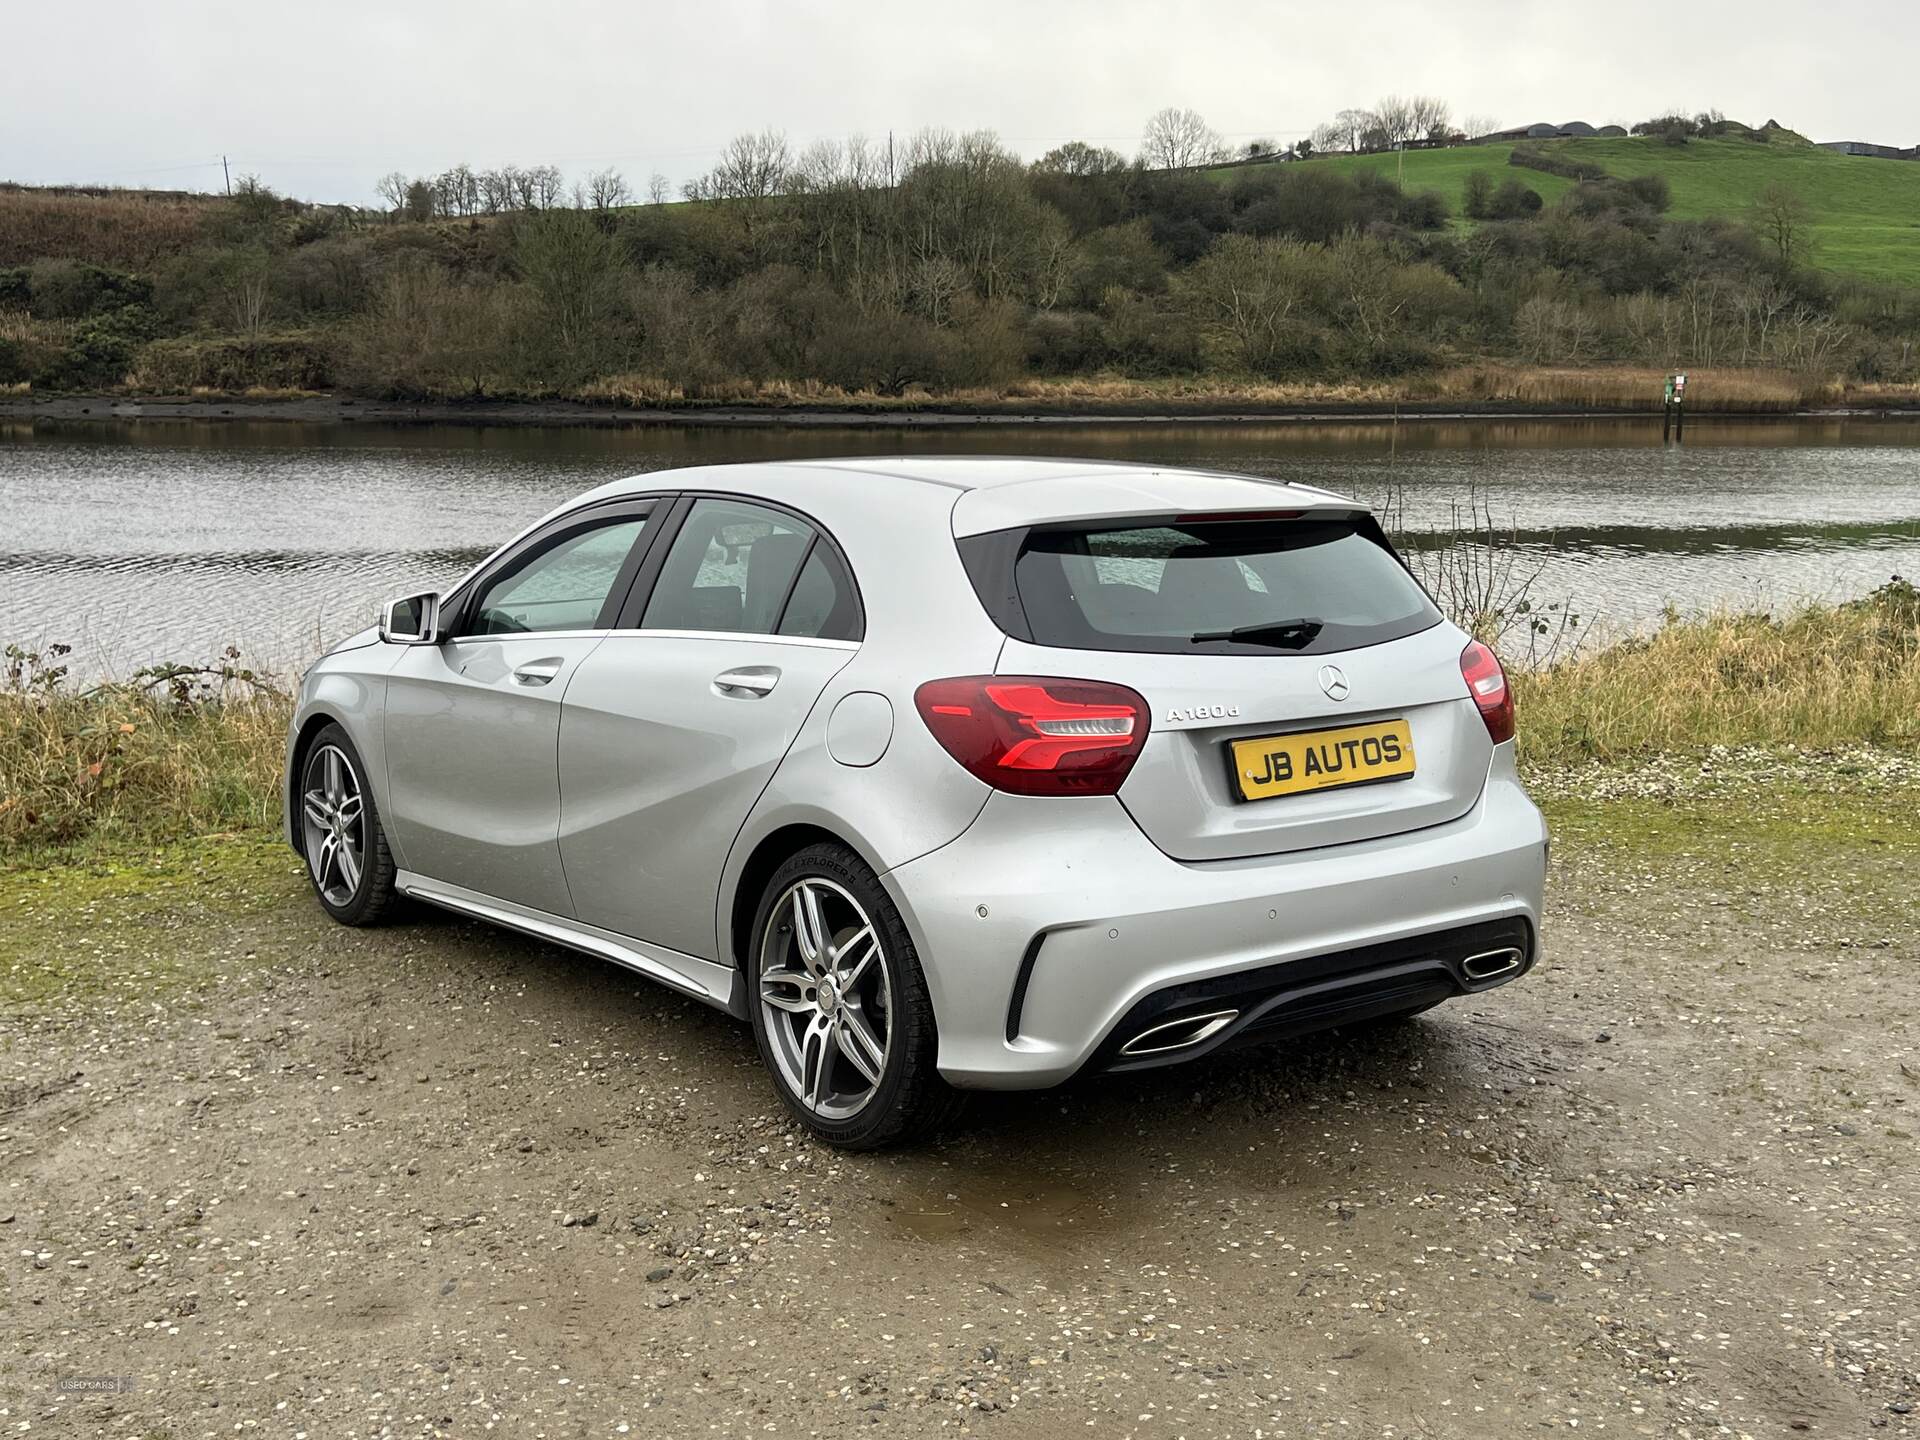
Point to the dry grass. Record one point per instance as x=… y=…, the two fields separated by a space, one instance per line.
x=1820 y=676
x=188 y=757
x=147 y=759
x=24 y=329
x=1627 y=387
x=1609 y=388
x=126 y=230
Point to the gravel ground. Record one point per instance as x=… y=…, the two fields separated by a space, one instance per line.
x=437 y=1180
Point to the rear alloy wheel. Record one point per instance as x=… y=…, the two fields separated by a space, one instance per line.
x=340 y=836
x=840 y=1009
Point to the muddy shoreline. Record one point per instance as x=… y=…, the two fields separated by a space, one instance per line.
x=279 y=1176
x=336 y=409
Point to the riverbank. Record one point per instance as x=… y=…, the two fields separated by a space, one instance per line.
x=181 y=751
x=1473 y=392
x=279 y=1173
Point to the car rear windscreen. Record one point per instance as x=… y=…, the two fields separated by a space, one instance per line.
x=1263 y=586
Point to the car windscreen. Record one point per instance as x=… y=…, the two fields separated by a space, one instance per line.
x=1247 y=586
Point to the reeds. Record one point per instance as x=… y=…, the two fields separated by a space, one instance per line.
x=182 y=751
x=175 y=751
x=1818 y=676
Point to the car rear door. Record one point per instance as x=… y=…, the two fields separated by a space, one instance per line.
x=472 y=723
x=676 y=722
x=1339 y=712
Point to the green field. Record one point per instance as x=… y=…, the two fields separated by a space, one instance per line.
x=1866 y=212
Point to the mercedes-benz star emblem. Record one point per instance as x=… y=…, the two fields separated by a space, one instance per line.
x=1333 y=680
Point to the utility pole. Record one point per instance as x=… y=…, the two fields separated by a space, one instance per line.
x=228 y=174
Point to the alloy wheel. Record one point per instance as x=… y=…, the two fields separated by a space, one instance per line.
x=825 y=998
x=333 y=823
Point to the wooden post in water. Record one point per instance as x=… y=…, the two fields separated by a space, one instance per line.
x=1673 y=420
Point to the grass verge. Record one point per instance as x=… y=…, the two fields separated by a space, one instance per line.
x=181 y=754
x=1821 y=676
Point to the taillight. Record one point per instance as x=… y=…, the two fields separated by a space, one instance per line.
x=1033 y=735
x=1487 y=683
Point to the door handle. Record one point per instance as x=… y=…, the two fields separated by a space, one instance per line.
x=747 y=682
x=537 y=672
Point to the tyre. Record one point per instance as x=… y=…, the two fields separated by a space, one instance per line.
x=839 y=1005
x=346 y=850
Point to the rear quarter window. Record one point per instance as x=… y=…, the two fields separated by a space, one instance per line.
x=1187 y=587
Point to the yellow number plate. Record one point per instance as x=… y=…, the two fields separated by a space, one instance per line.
x=1322 y=759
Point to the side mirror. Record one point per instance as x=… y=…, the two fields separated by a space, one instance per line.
x=412 y=621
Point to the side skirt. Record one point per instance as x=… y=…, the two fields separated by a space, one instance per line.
x=717 y=985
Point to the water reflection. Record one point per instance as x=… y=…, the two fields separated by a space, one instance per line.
x=144 y=539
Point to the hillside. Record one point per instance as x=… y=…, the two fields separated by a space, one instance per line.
x=1866 y=212
x=977 y=273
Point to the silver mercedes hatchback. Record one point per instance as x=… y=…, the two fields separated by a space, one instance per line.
x=943 y=773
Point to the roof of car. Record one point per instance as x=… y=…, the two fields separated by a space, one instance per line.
x=1005 y=492
x=1001 y=493
x=989 y=472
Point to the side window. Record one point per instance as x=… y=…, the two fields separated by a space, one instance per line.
x=823 y=605
x=730 y=568
x=561 y=587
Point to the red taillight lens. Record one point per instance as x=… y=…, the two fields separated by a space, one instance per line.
x=1033 y=735
x=1487 y=683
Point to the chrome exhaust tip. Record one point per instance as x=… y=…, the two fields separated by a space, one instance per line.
x=1492 y=964
x=1179 y=1034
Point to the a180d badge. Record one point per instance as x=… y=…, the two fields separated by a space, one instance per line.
x=1202 y=712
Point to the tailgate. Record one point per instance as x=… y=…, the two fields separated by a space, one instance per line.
x=1182 y=793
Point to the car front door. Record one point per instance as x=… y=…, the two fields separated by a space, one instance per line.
x=675 y=724
x=472 y=723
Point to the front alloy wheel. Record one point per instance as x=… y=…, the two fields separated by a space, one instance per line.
x=334 y=811
x=340 y=836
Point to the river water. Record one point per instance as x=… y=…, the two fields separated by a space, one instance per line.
x=155 y=540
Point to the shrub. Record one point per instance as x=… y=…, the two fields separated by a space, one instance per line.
x=1478 y=200
x=74 y=290
x=1651 y=191
x=1514 y=200
x=427 y=333
x=1120 y=257
x=1554 y=164
x=300 y=361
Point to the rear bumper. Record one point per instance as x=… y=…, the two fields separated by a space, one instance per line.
x=1054 y=932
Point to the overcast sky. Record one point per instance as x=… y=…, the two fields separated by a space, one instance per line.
x=322 y=99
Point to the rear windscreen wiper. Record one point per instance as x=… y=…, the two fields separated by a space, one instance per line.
x=1285 y=634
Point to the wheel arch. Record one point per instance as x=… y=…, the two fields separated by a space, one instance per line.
x=767 y=855
x=310 y=726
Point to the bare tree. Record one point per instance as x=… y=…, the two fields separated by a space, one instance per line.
x=1474 y=126
x=752 y=167
x=1076 y=157
x=1346 y=131
x=1177 y=138
x=393 y=189
x=608 y=190
x=1396 y=119
x=1250 y=294
x=545 y=185
x=657 y=189
x=1782 y=219
x=1432 y=117
x=499 y=189
x=456 y=191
